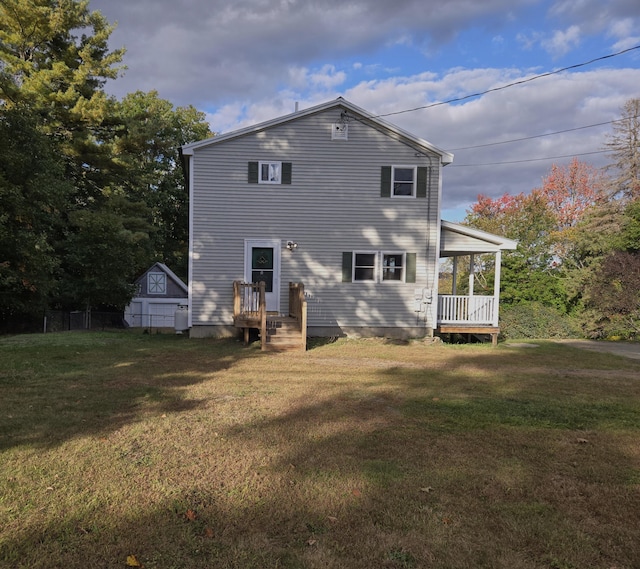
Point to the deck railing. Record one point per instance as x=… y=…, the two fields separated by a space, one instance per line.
x=298 y=308
x=456 y=309
x=249 y=303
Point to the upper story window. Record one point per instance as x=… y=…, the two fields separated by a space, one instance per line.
x=270 y=173
x=156 y=283
x=403 y=181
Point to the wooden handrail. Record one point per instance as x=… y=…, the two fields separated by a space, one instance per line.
x=250 y=304
x=298 y=309
x=263 y=315
x=246 y=299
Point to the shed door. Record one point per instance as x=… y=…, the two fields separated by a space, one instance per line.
x=262 y=263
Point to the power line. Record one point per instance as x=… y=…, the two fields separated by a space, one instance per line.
x=535 y=136
x=520 y=82
x=529 y=160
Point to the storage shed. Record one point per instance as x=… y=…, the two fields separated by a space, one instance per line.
x=160 y=293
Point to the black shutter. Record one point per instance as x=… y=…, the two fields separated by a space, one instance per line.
x=385 y=182
x=286 y=172
x=347 y=266
x=423 y=178
x=410 y=270
x=253 y=172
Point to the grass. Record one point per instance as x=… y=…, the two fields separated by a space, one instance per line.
x=355 y=454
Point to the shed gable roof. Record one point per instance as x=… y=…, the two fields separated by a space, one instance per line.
x=163 y=268
x=360 y=114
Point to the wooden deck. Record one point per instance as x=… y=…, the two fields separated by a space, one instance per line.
x=471 y=315
x=277 y=332
x=470 y=330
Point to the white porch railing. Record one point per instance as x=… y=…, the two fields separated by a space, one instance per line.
x=456 y=309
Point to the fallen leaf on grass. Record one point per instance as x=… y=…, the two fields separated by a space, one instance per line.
x=356 y=492
x=311 y=541
x=132 y=561
x=426 y=489
x=582 y=441
x=332 y=519
x=446 y=521
x=208 y=532
x=190 y=515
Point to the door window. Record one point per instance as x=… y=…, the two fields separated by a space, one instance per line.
x=262 y=266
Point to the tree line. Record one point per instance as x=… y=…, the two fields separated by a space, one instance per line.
x=91 y=187
x=92 y=192
x=577 y=265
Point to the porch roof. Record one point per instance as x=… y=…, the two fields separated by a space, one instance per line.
x=456 y=239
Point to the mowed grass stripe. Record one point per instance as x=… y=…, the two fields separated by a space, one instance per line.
x=368 y=453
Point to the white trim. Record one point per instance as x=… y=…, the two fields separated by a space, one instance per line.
x=269 y=163
x=273 y=298
x=502 y=243
x=190 y=268
x=403 y=274
x=159 y=285
x=376 y=264
x=173 y=276
x=414 y=184
x=365 y=116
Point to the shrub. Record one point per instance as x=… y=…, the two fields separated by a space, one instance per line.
x=534 y=320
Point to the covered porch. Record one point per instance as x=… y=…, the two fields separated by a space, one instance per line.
x=471 y=313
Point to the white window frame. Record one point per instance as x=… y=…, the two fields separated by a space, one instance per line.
x=413 y=184
x=355 y=266
x=155 y=284
x=403 y=268
x=270 y=164
x=378 y=267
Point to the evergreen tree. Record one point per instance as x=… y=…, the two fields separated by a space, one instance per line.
x=146 y=151
x=33 y=198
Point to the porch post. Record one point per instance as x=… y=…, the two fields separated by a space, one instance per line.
x=471 y=274
x=496 y=288
x=454 y=284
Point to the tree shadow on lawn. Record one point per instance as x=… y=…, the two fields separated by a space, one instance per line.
x=95 y=383
x=370 y=478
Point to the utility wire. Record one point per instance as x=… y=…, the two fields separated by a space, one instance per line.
x=528 y=160
x=520 y=82
x=535 y=136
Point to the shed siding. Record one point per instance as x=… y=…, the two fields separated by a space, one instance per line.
x=332 y=205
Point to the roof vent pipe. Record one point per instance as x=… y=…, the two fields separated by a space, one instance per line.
x=297 y=104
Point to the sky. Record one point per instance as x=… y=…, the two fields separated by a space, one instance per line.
x=247 y=61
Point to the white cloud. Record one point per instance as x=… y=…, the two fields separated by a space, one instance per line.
x=250 y=60
x=563 y=41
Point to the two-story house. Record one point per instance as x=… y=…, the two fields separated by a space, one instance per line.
x=342 y=204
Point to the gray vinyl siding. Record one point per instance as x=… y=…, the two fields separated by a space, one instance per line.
x=332 y=205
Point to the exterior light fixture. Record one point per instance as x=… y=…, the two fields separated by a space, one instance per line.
x=291 y=245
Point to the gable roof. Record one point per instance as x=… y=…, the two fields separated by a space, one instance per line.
x=168 y=272
x=459 y=239
x=362 y=115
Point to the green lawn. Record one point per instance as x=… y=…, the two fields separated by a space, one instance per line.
x=166 y=452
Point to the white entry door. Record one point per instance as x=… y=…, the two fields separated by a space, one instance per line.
x=262 y=263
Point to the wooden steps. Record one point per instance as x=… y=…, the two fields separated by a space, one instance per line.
x=283 y=334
